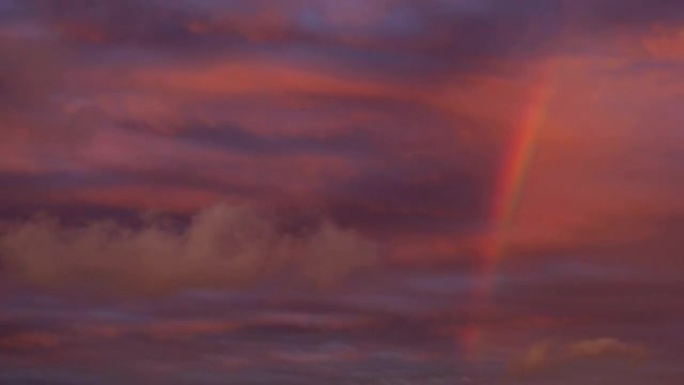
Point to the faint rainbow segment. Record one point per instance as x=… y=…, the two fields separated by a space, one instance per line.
x=509 y=187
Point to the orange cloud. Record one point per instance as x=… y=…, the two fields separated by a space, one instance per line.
x=547 y=357
x=223 y=246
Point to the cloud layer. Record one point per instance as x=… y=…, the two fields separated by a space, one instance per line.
x=223 y=246
x=393 y=117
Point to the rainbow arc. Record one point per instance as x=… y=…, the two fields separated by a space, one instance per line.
x=511 y=181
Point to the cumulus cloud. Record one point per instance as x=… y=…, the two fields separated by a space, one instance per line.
x=547 y=356
x=223 y=246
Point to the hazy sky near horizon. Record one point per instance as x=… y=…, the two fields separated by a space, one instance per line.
x=305 y=190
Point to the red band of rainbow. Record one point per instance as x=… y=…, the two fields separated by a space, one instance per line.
x=511 y=180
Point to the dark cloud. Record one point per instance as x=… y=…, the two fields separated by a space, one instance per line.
x=120 y=22
x=634 y=13
x=465 y=31
x=565 y=288
x=433 y=35
x=412 y=198
x=649 y=239
x=235 y=139
x=425 y=38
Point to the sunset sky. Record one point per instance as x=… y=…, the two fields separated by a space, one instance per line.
x=342 y=192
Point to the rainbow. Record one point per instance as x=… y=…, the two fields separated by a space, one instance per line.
x=511 y=179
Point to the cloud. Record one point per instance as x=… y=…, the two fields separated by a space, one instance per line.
x=33 y=88
x=633 y=13
x=172 y=330
x=608 y=348
x=548 y=357
x=668 y=47
x=23 y=74
x=28 y=341
x=394 y=25
x=223 y=246
x=390 y=114
x=29 y=75
x=465 y=33
x=125 y=21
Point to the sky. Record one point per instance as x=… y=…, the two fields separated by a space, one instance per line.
x=341 y=192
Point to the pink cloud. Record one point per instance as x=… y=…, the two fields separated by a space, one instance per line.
x=28 y=341
x=224 y=246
